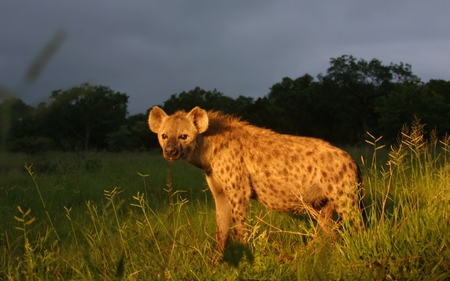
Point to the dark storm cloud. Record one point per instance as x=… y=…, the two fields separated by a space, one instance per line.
x=152 y=49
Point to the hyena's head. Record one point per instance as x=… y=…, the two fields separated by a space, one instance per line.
x=177 y=133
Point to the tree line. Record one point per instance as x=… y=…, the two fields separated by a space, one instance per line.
x=355 y=96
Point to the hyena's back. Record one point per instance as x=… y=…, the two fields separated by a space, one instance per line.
x=287 y=173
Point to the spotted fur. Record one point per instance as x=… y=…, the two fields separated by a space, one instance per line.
x=241 y=161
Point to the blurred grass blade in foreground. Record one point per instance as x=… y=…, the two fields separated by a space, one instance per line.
x=44 y=56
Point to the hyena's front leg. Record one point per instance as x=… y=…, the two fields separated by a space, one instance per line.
x=223 y=213
x=239 y=202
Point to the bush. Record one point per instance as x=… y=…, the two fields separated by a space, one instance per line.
x=32 y=145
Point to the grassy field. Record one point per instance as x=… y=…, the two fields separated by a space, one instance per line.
x=133 y=216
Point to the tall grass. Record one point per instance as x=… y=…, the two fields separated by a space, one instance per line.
x=117 y=217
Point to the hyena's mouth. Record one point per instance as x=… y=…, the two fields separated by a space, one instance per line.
x=171 y=158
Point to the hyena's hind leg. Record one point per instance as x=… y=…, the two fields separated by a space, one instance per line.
x=351 y=211
x=325 y=220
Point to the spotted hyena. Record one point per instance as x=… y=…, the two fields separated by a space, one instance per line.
x=283 y=172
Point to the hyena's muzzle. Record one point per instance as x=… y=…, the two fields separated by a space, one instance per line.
x=173 y=150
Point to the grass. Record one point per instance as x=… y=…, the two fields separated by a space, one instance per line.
x=115 y=217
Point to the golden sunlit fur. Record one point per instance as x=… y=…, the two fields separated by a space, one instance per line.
x=283 y=172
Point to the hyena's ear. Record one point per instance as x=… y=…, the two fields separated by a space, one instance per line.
x=155 y=118
x=200 y=118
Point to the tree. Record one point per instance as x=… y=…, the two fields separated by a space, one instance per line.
x=355 y=87
x=87 y=112
x=292 y=99
x=428 y=102
x=135 y=135
x=15 y=116
x=199 y=97
x=353 y=97
x=264 y=114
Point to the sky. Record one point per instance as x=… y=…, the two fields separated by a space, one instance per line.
x=150 y=50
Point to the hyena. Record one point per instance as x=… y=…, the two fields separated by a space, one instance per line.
x=241 y=161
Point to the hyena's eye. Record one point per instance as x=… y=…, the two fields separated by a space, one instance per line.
x=183 y=137
x=163 y=136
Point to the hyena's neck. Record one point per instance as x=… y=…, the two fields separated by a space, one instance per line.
x=217 y=138
x=200 y=155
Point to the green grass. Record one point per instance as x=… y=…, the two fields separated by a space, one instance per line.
x=114 y=217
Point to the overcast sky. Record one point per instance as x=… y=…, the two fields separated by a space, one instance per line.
x=153 y=49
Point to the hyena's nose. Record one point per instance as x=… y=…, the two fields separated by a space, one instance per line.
x=171 y=150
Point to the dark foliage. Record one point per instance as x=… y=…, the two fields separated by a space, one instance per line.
x=352 y=98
